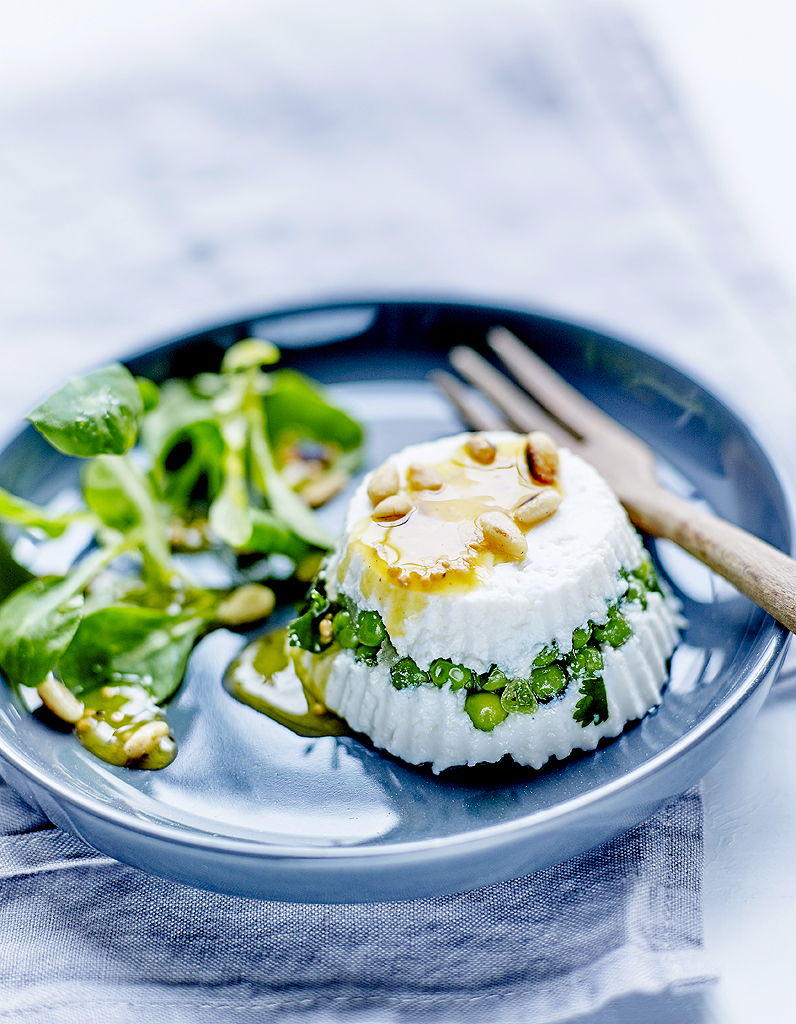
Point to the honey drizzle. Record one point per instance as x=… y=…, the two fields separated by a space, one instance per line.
x=439 y=547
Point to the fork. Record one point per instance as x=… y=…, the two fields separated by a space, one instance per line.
x=755 y=568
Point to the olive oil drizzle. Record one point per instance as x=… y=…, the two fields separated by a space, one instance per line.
x=113 y=714
x=279 y=682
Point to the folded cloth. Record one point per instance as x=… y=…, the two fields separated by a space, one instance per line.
x=90 y=941
x=525 y=153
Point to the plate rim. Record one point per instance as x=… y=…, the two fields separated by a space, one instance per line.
x=773 y=644
x=385 y=850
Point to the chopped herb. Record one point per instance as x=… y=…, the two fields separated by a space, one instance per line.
x=546 y=656
x=406 y=673
x=592 y=708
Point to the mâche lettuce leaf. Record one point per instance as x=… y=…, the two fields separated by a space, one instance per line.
x=206 y=477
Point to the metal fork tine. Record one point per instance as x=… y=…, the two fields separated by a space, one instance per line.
x=521 y=410
x=473 y=409
x=551 y=391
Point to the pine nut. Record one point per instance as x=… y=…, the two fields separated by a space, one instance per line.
x=502 y=535
x=323 y=488
x=246 y=604
x=542 y=453
x=537 y=507
x=423 y=478
x=394 y=507
x=478 y=448
x=144 y=739
x=325 y=628
x=383 y=483
x=59 y=700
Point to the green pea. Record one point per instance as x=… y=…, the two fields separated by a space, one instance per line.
x=347 y=638
x=587 y=662
x=581 y=637
x=615 y=632
x=370 y=629
x=459 y=677
x=636 y=594
x=341 y=620
x=343 y=630
x=547 y=682
x=485 y=710
x=519 y=697
x=646 y=575
x=462 y=678
x=546 y=656
x=494 y=679
x=439 y=671
x=406 y=673
x=366 y=654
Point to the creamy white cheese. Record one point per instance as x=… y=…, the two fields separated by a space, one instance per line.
x=569 y=576
x=570 y=571
x=426 y=725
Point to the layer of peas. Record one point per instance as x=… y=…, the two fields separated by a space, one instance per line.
x=492 y=695
x=361 y=632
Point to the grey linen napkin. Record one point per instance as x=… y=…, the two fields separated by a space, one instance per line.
x=520 y=152
x=89 y=940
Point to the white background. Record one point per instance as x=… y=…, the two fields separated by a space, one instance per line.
x=734 y=64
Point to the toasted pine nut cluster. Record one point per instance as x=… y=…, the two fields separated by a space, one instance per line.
x=500 y=530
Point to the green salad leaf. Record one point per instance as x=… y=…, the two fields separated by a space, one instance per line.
x=128 y=644
x=270 y=535
x=150 y=395
x=283 y=501
x=249 y=354
x=39 y=619
x=12 y=574
x=36 y=624
x=230 y=513
x=93 y=415
x=205 y=483
x=139 y=507
x=183 y=438
x=296 y=407
x=105 y=492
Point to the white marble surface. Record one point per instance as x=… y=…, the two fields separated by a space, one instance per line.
x=178 y=163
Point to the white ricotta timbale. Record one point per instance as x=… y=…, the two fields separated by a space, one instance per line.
x=568 y=577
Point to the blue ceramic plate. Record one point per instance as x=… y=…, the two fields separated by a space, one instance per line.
x=251 y=809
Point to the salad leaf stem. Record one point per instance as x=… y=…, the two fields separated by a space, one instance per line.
x=151 y=535
x=25 y=513
x=283 y=501
x=230 y=515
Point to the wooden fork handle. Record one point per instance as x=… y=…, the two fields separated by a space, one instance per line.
x=762 y=572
